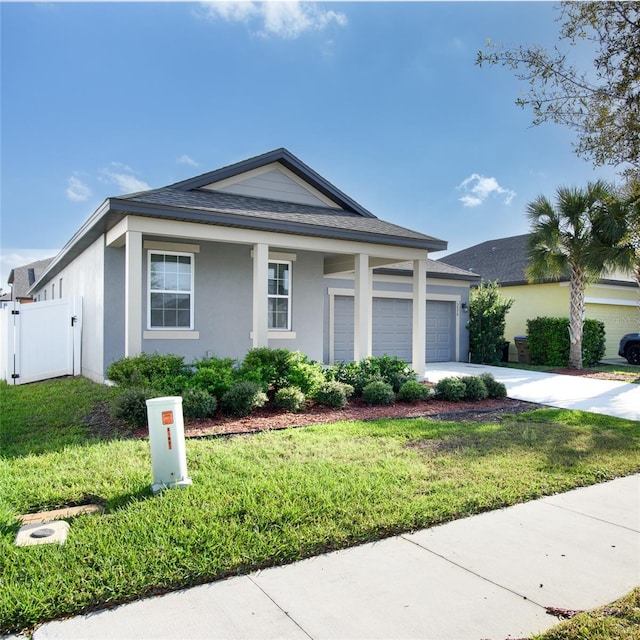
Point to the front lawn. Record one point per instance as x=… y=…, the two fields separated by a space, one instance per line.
x=261 y=500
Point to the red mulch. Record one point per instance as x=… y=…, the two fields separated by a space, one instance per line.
x=599 y=375
x=267 y=419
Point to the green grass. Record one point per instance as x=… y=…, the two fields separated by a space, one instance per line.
x=264 y=500
x=617 y=621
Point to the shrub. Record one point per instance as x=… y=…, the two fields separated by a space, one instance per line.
x=131 y=407
x=268 y=367
x=307 y=376
x=412 y=390
x=198 y=404
x=495 y=389
x=475 y=388
x=242 y=397
x=487 y=319
x=214 y=375
x=548 y=340
x=450 y=389
x=334 y=394
x=143 y=369
x=378 y=392
x=290 y=398
x=389 y=369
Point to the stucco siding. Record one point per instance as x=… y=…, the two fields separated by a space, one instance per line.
x=223 y=305
x=114 y=317
x=552 y=300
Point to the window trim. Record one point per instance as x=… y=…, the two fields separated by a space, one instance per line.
x=287 y=297
x=191 y=292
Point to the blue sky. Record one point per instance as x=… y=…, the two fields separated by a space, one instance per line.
x=381 y=98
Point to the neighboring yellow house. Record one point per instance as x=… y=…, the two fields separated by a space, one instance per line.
x=614 y=299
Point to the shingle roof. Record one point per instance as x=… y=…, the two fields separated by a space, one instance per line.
x=503 y=259
x=22 y=278
x=228 y=209
x=188 y=201
x=435 y=269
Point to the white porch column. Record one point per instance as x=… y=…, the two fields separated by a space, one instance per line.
x=419 y=346
x=260 y=295
x=133 y=294
x=362 y=308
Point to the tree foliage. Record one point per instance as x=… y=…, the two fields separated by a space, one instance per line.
x=579 y=236
x=601 y=104
x=487 y=318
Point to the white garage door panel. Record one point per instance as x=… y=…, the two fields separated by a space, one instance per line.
x=392 y=327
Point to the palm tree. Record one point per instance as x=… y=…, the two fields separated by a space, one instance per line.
x=580 y=236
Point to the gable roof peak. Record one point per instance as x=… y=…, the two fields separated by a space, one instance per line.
x=287 y=160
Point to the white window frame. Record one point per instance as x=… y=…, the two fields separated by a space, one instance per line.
x=287 y=297
x=191 y=293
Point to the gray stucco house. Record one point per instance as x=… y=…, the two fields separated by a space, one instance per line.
x=264 y=252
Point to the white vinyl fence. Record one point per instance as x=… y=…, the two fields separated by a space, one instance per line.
x=40 y=340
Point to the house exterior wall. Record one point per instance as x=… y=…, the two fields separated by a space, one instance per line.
x=223 y=305
x=615 y=305
x=114 y=285
x=85 y=277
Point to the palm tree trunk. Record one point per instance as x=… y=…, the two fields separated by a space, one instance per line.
x=576 y=317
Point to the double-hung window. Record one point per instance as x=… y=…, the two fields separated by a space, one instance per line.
x=170 y=290
x=280 y=296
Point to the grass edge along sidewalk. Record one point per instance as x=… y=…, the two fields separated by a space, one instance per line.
x=262 y=500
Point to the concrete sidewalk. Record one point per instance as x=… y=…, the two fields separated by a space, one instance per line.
x=487 y=576
x=607 y=397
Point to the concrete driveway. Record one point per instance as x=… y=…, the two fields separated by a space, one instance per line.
x=617 y=399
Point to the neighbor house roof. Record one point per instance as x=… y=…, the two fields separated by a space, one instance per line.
x=505 y=260
x=194 y=200
x=23 y=278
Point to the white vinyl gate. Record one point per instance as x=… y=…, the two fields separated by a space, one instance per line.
x=41 y=340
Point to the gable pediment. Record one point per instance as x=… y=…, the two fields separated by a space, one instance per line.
x=273 y=182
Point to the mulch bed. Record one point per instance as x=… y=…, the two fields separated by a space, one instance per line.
x=267 y=419
x=600 y=375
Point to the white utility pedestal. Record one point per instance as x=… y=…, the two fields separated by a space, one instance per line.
x=166 y=437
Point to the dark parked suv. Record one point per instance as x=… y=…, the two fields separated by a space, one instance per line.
x=630 y=348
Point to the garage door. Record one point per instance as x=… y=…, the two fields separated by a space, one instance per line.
x=618 y=320
x=440 y=331
x=392 y=328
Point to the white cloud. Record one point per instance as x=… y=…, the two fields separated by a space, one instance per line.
x=122 y=176
x=478 y=188
x=185 y=159
x=286 y=19
x=77 y=190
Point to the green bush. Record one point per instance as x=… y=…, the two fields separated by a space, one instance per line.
x=548 y=340
x=378 y=392
x=268 y=367
x=412 y=390
x=308 y=376
x=451 y=388
x=334 y=394
x=214 y=375
x=389 y=369
x=487 y=319
x=143 y=369
x=242 y=398
x=495 y=389
x=198 y=404
x=131 y=407
x=290 y=398
x=475 y=388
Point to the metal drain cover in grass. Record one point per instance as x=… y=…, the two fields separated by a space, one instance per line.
x=43 y=533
